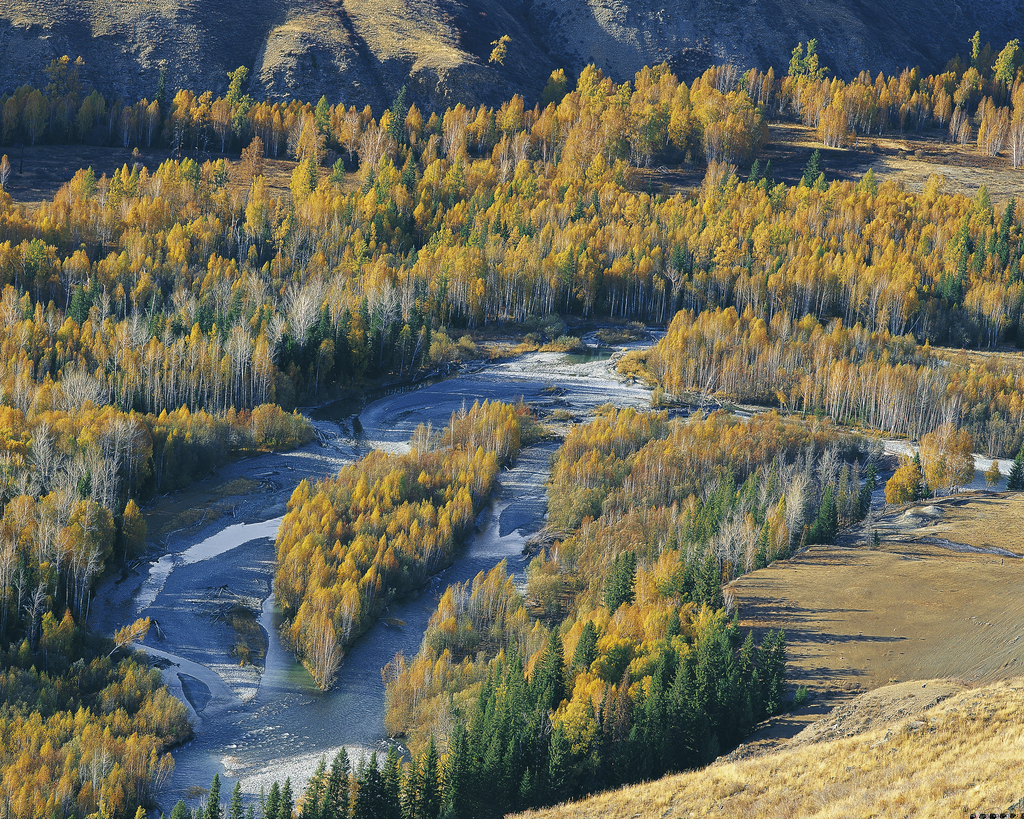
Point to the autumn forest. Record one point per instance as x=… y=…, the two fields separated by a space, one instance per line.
x=164 y=318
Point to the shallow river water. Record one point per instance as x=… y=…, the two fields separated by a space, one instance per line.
x=257 y=728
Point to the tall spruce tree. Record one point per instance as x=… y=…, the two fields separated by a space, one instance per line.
x=826 y=524
x=549 y=677
x=336 y=799
x=370 y=800
x=392 y=785
x=586 y=647
x=213 y=800
x=619 y=586
x=313 y=799
x=430 y=792
x=287 y=805
x=1015 y=480
x=235 y=806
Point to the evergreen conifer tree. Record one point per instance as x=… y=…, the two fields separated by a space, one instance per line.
x=370 y=800
x=813 y=170
x=586 y=647
x=1015 y=480
x=287 y=805
x=456 y=777
x=336 y=799
x=392 y=786
x=272 y=807
x=773 y=665
x=870 y=482
x=315 y=791
x=213 y=800
x=619 y=586
x=826 y=524
x=549 y=678
x=235 y=807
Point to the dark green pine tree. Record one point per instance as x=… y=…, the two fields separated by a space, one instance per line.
x=1015 y=480
x=549 y=677
x=813 y=170
x=272 y=807
x=213 y=800
x=826 y=524
x=674 y=625
x=399 y=110
x=250 y=812
x=618 y=588
x=411 y=805
x=80 y=304
x=235 y=807
x=761 y=547
x=560 y=767
x=709 y=667
x=456 y=778
x=656 y=717
x=180 y=810
x=680 y=728
x=870 y=482
x=430 y=792
x=287 y=804
x=621 y=730
x=336 y=799
x=750 y=682
x=707 y=585
x=370 y=801
x=313 y=800
x=586 y=647
x=922 y=490
x=392 y=784
x=773 y=669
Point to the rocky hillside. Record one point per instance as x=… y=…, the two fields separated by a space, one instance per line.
x=361 y=51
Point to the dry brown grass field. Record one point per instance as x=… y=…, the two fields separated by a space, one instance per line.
x=931 y=640
x=959 y=756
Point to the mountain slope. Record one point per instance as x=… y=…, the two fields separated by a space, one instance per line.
x=959 y=756
x=362 y=51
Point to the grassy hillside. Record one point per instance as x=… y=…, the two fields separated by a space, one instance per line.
x=959 y=756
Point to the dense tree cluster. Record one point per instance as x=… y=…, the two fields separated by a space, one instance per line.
x=385 y=524
x=985 y=98
x=87 y=733
x=853 y=375
x=84 y=736
x=155 y=319
x=640 y=671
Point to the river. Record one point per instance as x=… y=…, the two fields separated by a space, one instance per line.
x=259 y=727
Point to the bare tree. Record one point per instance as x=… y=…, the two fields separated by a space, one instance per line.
x=45 y=456
x=302 y=305
x=34 y=611
x=324 y=653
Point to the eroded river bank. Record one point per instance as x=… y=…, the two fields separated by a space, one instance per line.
x=266 y=720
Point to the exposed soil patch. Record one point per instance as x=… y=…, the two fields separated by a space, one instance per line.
x=982 y=522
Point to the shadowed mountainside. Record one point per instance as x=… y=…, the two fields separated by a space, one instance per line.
x=362 y=51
